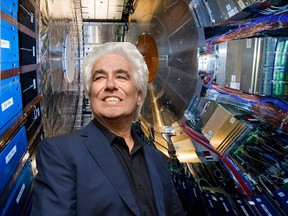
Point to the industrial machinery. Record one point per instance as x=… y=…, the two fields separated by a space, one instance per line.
x=216 y=106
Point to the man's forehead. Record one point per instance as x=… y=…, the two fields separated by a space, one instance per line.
x=113 y=62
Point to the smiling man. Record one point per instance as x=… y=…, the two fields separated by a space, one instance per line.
x=105 y=168
x=114 y=96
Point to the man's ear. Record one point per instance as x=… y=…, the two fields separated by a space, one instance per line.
x=139 y=100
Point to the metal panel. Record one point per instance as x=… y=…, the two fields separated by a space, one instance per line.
x=222 y=128
x=26 y=14
x=97 y=33
x=11 y=155
x=171 y=24
x=253 y=66
x=27 y=46
x=19 y=191
x=202 y=12
x=33 y=122
x=9 y=7
x=223 y=10
x=244 y=67
x=217 y=204
x=9 y=46
x=199 y=112
x=234 y=64
x=281 y=195
x=29 y=86
x=265 y=206
x=243 y=207
x=247 y=72
x=10 y=99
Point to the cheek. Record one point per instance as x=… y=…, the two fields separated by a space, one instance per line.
x=94 y=90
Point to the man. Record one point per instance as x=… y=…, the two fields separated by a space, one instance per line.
x=105 y=168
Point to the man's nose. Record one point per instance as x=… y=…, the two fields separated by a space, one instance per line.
x=110 y=83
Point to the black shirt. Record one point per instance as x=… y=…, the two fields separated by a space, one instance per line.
x=134 y=166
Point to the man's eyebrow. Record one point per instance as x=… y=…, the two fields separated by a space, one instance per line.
x=103 y=72
x=99 y=71
x=122 y=71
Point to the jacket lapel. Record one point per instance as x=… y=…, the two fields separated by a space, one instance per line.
x=103 y=154
x=155 y=182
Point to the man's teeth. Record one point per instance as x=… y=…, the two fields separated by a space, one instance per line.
x=112 y=99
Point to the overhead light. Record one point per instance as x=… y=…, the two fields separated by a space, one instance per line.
x=102 y=9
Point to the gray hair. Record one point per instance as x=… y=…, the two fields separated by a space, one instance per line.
x=130 y=53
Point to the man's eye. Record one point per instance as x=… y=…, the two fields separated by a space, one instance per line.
x=122 y=77
x=95 y=78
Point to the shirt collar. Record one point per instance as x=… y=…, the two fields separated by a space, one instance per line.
x=138 y=142
x=107 y=133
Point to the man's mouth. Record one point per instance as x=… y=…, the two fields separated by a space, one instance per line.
x=112 y=99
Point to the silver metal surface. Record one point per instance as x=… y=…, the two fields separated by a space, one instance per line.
x=172 y=25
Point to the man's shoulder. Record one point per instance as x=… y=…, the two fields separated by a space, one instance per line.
x=73 y=135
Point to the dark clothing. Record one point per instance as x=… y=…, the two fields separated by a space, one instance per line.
x=79 y=174
x=134 y=166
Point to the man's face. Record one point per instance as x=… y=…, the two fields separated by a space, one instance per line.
x=113 y=92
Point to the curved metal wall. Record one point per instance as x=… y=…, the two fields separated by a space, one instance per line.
x=59 y=72
x=177 y=37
